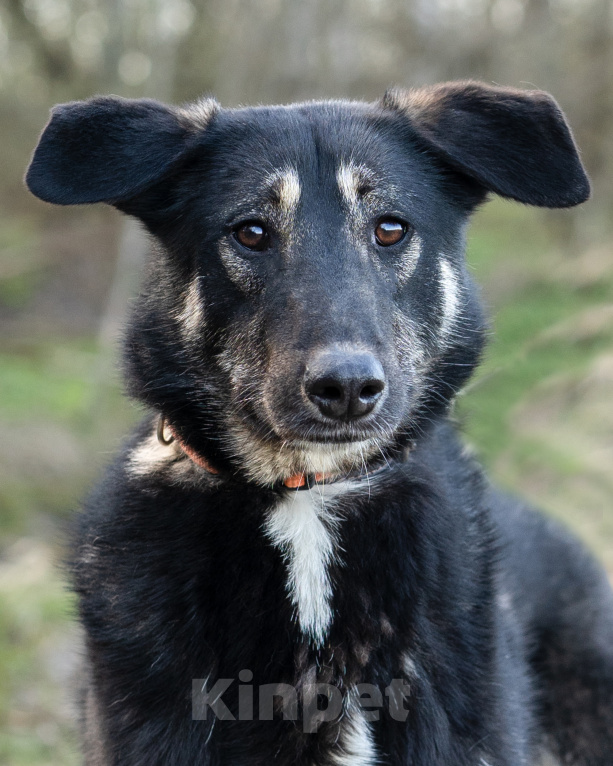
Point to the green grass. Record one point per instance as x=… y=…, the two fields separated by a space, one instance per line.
x=510 y=243
x=20 y=266
x=64 y=394
x=35 y=609
x=518 y=359
x=540 y=366
x=64 y=415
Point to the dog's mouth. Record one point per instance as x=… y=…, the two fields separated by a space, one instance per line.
x=323 y=436
x=299 y=427
x=307 y=433
x=271 y=455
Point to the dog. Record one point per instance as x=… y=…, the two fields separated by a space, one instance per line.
x=294 y=560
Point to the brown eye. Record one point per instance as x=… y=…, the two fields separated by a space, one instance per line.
x=252 y=235
x=389 y=231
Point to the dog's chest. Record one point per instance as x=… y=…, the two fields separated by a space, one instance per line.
x=304 y=527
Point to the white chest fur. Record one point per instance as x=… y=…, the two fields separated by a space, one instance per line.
x=303 y=526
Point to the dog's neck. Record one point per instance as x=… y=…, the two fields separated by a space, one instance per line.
x=301 y=481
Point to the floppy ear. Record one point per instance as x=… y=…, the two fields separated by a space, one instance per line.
x=513 y=142
x=109 y=149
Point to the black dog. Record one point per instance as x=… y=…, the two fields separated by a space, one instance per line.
x=294 y=561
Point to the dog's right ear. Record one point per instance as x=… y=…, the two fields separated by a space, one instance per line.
x=110 y=149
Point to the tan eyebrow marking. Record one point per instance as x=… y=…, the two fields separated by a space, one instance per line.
x=285 y=187
x=352 y=180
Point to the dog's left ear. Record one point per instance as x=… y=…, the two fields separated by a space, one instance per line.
x=513 y=142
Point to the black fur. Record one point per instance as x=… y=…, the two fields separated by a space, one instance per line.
x=500 y=622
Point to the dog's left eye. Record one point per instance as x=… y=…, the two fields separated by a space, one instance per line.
x=389 y=231
x=252 y=235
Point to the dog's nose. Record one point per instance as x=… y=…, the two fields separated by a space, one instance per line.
x=344 y=385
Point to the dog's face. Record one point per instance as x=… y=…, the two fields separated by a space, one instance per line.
x=307 y=307
x=325 y=283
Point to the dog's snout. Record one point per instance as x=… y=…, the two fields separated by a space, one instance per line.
x=344 y=385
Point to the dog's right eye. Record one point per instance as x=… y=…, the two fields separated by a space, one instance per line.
x=252 y=235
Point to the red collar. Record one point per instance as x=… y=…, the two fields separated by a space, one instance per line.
x=167 y=435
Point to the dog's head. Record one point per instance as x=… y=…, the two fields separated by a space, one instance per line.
x=307 y=305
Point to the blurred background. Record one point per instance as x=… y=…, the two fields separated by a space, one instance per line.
x=540 y=412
